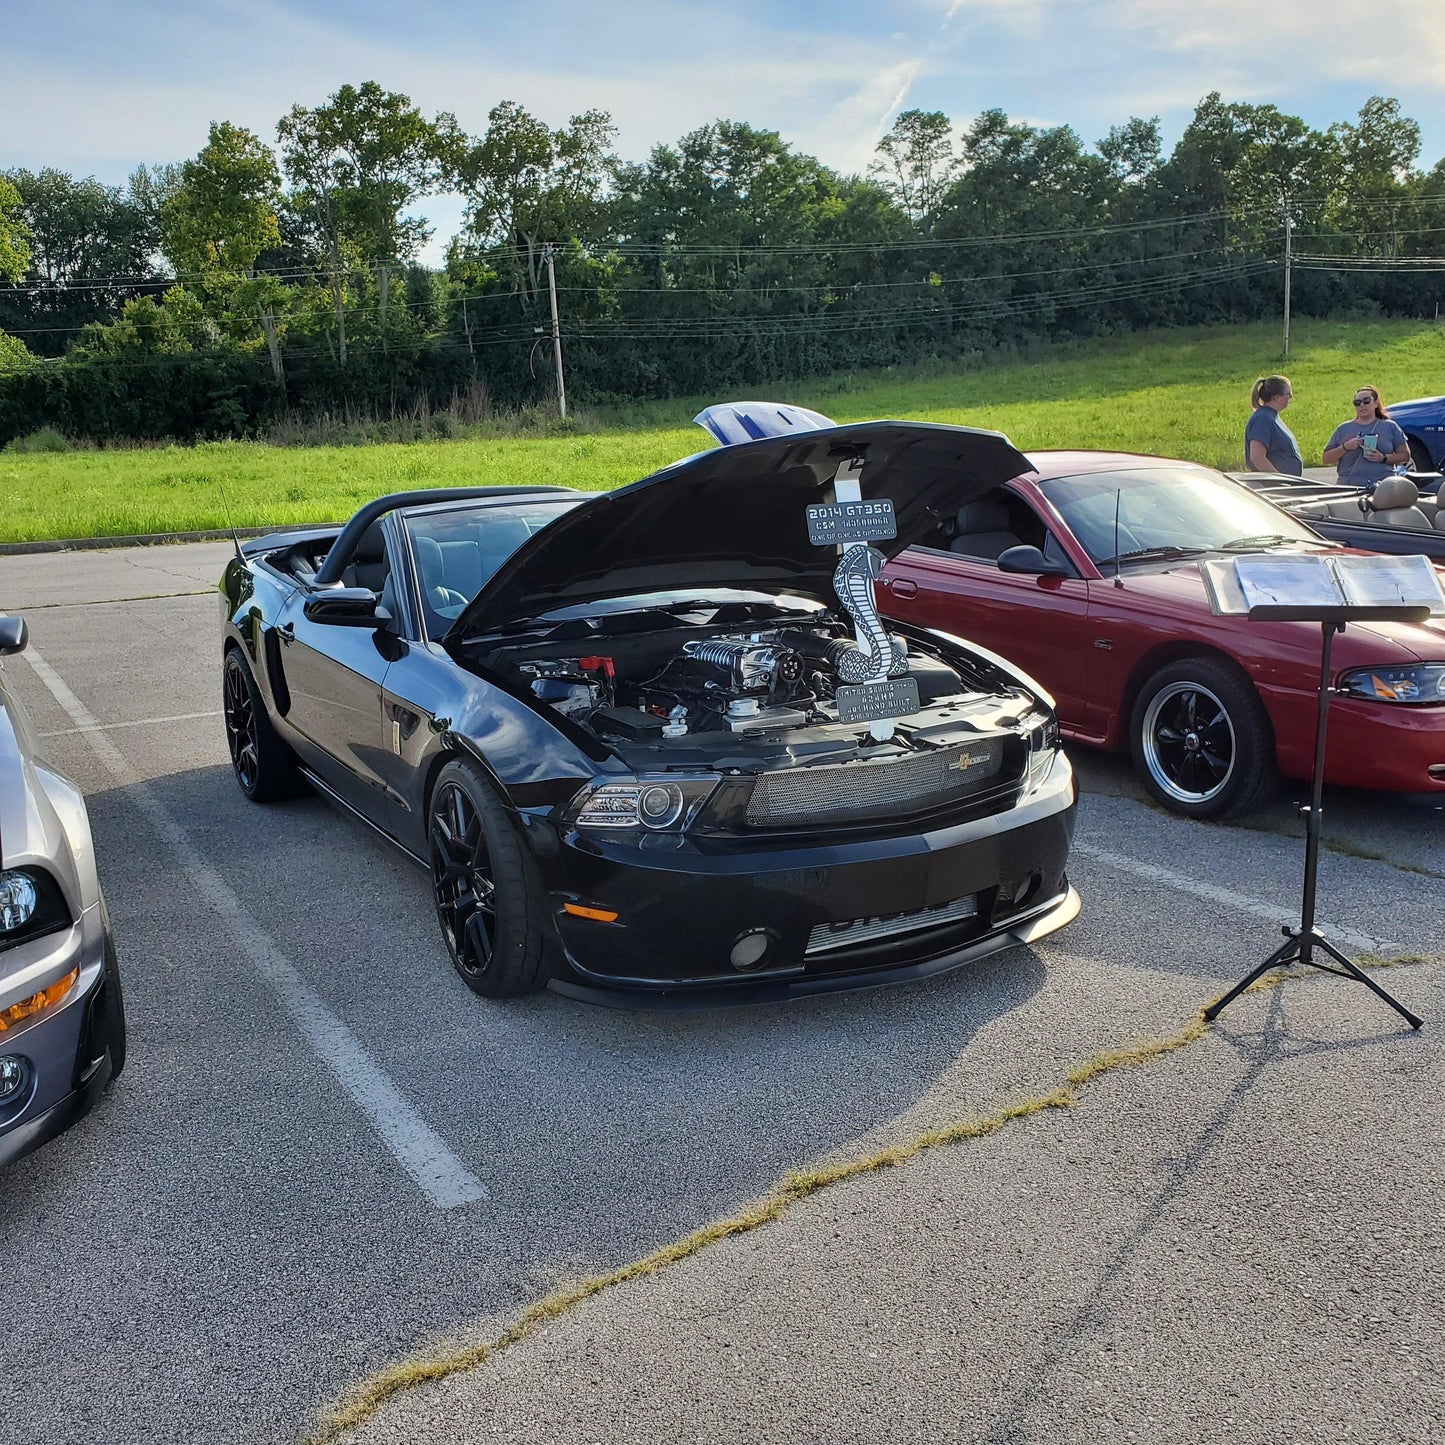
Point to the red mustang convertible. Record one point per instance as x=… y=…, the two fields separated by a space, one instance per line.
x=1085 y=573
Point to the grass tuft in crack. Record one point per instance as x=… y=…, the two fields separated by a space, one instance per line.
x=361 y=1402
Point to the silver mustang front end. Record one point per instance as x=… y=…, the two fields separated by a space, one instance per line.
x=62 y=1022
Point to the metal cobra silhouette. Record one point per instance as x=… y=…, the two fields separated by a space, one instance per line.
x=853 y=580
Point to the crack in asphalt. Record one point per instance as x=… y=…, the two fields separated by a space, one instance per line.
x=112 y=601
x=362 y=1400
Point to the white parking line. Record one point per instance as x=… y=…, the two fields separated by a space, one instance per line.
x=1212 y=893
x=140 y=722
x=442 y=1177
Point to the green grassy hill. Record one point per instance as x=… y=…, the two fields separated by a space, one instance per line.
x=1178 y=393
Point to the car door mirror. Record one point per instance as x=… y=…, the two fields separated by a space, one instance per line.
x=1029 y=561
x=13 y=634
x=347 y=607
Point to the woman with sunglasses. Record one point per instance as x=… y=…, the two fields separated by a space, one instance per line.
x=1366 y=448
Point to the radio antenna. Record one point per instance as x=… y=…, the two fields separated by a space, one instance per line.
x=235 y=536
x=1118 y=503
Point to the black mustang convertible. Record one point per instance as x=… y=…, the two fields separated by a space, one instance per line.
x=609 y=725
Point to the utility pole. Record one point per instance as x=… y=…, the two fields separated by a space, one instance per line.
x=1288 y=228
x=548 y=255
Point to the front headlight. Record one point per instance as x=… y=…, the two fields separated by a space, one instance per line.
x=1419 y=682
x=1042 y=731
x=30 y=904
x=18 y=900
x=663 y=803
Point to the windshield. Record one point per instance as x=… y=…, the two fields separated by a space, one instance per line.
x=1164 y=512
x=457 y=551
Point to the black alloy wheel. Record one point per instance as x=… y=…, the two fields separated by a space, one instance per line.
x=264 y=766
x=487 y=897
x=1201 y=739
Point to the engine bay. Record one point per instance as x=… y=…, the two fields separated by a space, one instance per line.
x=715 y=684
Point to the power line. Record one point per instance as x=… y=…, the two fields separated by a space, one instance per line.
x=839 y=289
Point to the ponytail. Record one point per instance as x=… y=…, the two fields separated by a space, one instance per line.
x=1267 y=388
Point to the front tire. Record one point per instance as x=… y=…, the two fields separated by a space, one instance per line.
x=1201 y=740
x=1420 y=457
x=264 y=766
x=488 y=900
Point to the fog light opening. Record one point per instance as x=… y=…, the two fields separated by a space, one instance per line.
x=1437 y=771
x=1021 y=895
x=14 y=1077
x=751 y=949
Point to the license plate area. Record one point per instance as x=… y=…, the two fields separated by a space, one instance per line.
x=827 y=938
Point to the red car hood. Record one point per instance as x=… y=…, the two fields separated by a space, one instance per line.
x=1179 y=588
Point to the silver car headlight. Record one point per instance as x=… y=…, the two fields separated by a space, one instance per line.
x=1412 y=683
x=19 y=899
x=663 y=803
x=30 y=904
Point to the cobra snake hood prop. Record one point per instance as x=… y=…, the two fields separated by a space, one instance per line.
x=735 y=517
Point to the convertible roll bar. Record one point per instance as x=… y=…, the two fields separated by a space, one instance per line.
x=328 y=574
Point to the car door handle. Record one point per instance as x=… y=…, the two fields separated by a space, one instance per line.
x=902 y=587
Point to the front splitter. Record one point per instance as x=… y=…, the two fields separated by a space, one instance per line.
x=680 y=999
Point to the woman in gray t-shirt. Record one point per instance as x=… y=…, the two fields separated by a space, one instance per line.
x=1366 y=449
x=1269 y=445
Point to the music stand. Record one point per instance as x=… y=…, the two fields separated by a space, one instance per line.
x=1228 y=596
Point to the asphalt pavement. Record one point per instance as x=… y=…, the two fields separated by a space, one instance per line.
x=253 y=1219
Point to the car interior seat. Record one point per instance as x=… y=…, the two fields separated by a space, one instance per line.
x=1392 y=504
x=369 y=567
x=984 y=530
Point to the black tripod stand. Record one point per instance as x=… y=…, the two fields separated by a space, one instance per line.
x=1302 y=943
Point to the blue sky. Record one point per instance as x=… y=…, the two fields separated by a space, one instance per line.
x=100 y=86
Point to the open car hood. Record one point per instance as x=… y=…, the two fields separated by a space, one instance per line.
x=735 y=517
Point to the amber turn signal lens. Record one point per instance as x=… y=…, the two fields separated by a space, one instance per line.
x=598 y=915
x=38 y=1001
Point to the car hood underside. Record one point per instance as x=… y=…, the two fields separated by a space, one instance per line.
x=736 y=517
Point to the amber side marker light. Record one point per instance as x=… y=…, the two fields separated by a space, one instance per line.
x=38 y=1001
x=597 y=915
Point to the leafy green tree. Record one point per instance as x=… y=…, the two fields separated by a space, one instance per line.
x=527 y=185
x=172 y=325
x=14 y=235
x=916 y=161
x=88 y=255
x=1134 y=151
x=1377 y=153
x=355 y=164
x=14 y=259
x=218 y=221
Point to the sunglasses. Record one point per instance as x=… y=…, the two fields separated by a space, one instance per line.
x=1364 y=400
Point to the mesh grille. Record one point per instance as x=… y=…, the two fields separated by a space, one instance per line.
x=846 y=792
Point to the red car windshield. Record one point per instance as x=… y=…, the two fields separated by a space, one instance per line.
x=1168 y=511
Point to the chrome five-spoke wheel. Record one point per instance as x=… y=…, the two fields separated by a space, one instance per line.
x=1189 y=743
x=1201 y=739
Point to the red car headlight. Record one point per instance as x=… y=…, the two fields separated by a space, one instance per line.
x=1414 y=683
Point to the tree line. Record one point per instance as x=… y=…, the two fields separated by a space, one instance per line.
x=210 y=297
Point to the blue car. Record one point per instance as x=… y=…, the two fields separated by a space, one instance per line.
x=1423 y=422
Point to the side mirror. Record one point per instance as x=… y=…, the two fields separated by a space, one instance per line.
x=347 y=607
x=1029 y=561
x=13 y=634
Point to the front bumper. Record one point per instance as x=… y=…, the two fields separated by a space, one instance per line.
x=65 y=1045
x=1387 y=746
x=683 y=905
